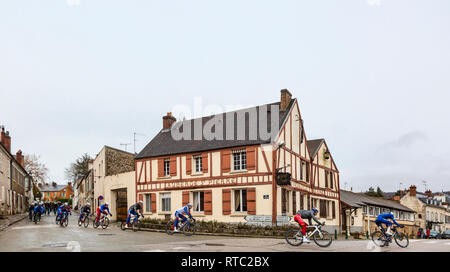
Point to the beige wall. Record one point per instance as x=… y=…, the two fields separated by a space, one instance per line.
x=4 y=182
x=115 y=182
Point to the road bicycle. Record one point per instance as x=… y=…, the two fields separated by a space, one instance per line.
x=62 y=220
x=187 y=227
x=381 y=239
x=322 y=238
x=104 y=221
x=37 y=217
x=83 y=221
x=135 y=223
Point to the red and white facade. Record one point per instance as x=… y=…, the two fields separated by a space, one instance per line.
x=232 y=183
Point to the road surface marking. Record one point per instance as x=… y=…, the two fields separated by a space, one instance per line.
x=74 y=246
x=35 y=227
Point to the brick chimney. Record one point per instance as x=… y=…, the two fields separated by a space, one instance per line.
x=412 y=190
x=428 y=193
x=168 y=121
x=5 y=139
x=286 y=98
x=19 y=158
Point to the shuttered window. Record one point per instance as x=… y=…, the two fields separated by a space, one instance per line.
x=239 y=160
x=323 y=208
x=166 y=167
x=148 y=203
x=240 y=200
x=199 y=201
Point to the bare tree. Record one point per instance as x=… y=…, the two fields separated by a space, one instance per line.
x=79 y=167
x=35 y=168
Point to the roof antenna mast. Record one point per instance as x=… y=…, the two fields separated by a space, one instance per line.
x=136 y=134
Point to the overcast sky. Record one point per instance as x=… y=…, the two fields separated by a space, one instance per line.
x=372 y=76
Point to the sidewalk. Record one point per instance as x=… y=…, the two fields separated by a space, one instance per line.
x=11 y=219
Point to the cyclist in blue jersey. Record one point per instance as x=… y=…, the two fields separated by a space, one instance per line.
x=102 y=209
x=384 y=219
x=179 y=214
x=134 y=209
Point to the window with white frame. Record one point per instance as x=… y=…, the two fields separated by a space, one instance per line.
x=199 y=201
x=198 y=164
x=166 y=167
x=148 y=203
x=239 y=160
x=240 y=200
x=165 y=202
x=371 y=211
x=377 y=211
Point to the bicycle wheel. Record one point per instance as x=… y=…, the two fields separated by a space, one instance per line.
x=323 y=238
x=96 y=223
x=189 y=229
x=401 y=239
x=294 y=237
x=378 y=238
x=86 y=222
x=169 y=227
x=137 y=226
x=122 y=225
x=105 y=223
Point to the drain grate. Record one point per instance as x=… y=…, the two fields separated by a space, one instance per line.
x=55 y=245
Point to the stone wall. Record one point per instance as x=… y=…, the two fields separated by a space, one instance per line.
x=118 y=162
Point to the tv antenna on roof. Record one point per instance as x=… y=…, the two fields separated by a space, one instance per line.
x=136 y=134
x=425 y=184
x=125 y=145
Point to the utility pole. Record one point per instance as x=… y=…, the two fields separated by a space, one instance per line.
x=136 y=134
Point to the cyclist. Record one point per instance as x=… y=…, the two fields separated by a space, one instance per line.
x=39 y=209
x=63 y=210
x=138 y=207
x=306 y=214
x=179 y=214
x=384 y=219
x=102 y=209
x=31 y=210
x=85 y=210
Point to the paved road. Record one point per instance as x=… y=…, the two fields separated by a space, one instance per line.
x=49 y=237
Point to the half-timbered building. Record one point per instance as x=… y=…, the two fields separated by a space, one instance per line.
x=231 y=180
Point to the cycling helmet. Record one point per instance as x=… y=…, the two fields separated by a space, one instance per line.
x=315 y=210
x=88 y=204
x=189 y=205
x=106 y=204
x=65 y=204
x=42 y=203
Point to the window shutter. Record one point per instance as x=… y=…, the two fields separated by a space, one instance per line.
x=185 y=199
x=251 y=158
x=294 y=203
x=205 y=162
x=208 y=202
x=161 y=168
x=251 y=201
x=226 y=161
x=326 y=179
x=188 y=164
x=334 y=209
x=141 y=197
x=153 y=197
x=323 y=208
x=331 y=180
x=226 y=201
x=173 y=166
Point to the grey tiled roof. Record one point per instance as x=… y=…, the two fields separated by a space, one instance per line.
x=163 y=144
x=51 y=188
x=313 y=146
x=358 y=200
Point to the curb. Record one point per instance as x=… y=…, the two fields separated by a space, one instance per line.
x=12 y=223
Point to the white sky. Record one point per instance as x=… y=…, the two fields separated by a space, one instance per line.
x=372 y=76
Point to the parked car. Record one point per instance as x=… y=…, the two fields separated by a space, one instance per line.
x=446 y=234
x=435 y=234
